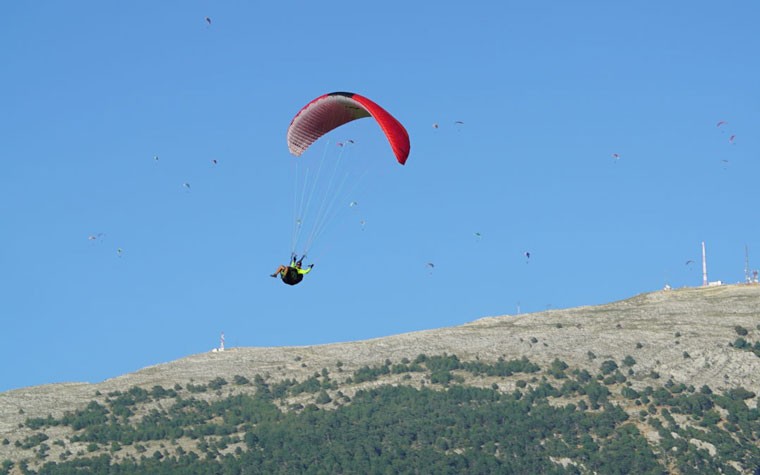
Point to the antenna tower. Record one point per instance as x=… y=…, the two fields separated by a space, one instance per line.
x=747 y=279
x=704 y=266
x=221 y=342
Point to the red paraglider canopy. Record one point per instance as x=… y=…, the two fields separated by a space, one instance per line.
x=330 y=111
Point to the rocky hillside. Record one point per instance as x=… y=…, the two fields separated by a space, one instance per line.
x=693 y=336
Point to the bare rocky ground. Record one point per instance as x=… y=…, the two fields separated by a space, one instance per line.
x=682 y=334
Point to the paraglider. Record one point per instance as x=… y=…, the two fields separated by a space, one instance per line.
x=208 y=20
x=330 y=111
x=616 y=156
x=119 y=251
x=721 y=122
x=317 y=201
x=214 y=161
x=293 y=274
x=527 y=256
x=731 y=139
x=186 y=186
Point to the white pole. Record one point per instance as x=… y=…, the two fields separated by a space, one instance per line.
x=704 y=265
x=747 y=279
x=221 y=342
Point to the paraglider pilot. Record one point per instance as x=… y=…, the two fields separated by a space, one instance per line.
x=293 y=273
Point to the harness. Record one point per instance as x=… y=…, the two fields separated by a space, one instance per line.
x=291 y=276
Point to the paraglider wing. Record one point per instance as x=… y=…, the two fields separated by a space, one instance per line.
x=330 y=111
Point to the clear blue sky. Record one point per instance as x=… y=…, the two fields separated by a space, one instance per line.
x=548 y=92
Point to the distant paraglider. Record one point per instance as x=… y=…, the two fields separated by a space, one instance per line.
x=208 y=21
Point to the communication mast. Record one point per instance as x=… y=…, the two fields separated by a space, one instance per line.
x=704 y=266
x=747 y=278
x=221 y=342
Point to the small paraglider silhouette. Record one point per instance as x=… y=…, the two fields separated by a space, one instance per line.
x=155 y=158
x=430 y=266
x=208 y=20
x=214 y=161
x=352 y=204
x=186 y=186
x=721 y=122
x=688 y=263
x=616 y=156
x=362 y=223
x=527 y=257
x=119 y=252
x=731 y=139
x=477 y=235
x=95 y=237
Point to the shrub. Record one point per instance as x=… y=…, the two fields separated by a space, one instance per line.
x=740 y=330
x=740 y=343
x=323 y=398
x=608 y=366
